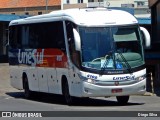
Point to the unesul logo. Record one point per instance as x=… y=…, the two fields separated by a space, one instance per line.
x=124 y=78
x=31 y=57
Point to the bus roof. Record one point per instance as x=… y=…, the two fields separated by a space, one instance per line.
x=84 y=17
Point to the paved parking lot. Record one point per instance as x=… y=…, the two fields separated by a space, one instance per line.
x=5 y=80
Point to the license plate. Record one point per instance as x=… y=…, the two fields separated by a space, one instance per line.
x=116 y=90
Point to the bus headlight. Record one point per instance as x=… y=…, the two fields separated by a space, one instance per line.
x=92 y=81
x=141 y=78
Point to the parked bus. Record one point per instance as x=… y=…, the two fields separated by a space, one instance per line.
x=88 y=52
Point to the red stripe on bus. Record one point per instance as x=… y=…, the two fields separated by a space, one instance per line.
x=53 y=58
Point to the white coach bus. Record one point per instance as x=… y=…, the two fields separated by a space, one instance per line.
x=88 y=52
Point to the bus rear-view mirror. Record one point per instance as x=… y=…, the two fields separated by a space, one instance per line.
x=146 y=37
x=76 y=40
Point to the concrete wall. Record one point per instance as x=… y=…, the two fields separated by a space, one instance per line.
x=80 y=5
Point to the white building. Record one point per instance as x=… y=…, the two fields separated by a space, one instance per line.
x=114 y=3
x=95 y=3
x=111 y=3
x=140 y=6
x=141 y=3
x=66 y=4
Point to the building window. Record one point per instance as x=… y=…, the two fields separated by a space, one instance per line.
x=80 y=1
x=39 y=13
x=26 y=13
x=127 y=5
x=140 y=3
x=67 y=1
x=90 y=0
x=100 y=0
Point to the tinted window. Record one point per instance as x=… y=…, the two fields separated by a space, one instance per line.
x=39 y=35
x=15 y=36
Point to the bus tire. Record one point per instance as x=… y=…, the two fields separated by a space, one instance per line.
x=122 y=99
x=27 y=92
x=68 y=98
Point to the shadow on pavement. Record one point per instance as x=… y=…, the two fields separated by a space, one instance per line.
x=58 y=99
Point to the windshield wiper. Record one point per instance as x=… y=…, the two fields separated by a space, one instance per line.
x=124 y=59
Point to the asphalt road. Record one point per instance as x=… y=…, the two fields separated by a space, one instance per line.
x=46 y=102
x=13 y=100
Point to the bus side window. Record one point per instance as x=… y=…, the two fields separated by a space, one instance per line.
x=33 y=36
x=75 y=55
x=47 y=35
x=24 y=37
x=69 y=28
x=15 y=37
x=12 y=39
x=60 y=36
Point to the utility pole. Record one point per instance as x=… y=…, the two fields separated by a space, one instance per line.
x=61 y=4
x=46 y=6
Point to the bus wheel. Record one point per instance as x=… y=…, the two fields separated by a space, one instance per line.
x=122 y=99
x=67 y=97
x=27 y=92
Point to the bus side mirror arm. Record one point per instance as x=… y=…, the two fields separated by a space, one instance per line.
x=77 y=40
x=146 y=37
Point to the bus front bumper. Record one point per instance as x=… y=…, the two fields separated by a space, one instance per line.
x=92 y=90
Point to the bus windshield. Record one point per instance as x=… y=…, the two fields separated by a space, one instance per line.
x=111 y=47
